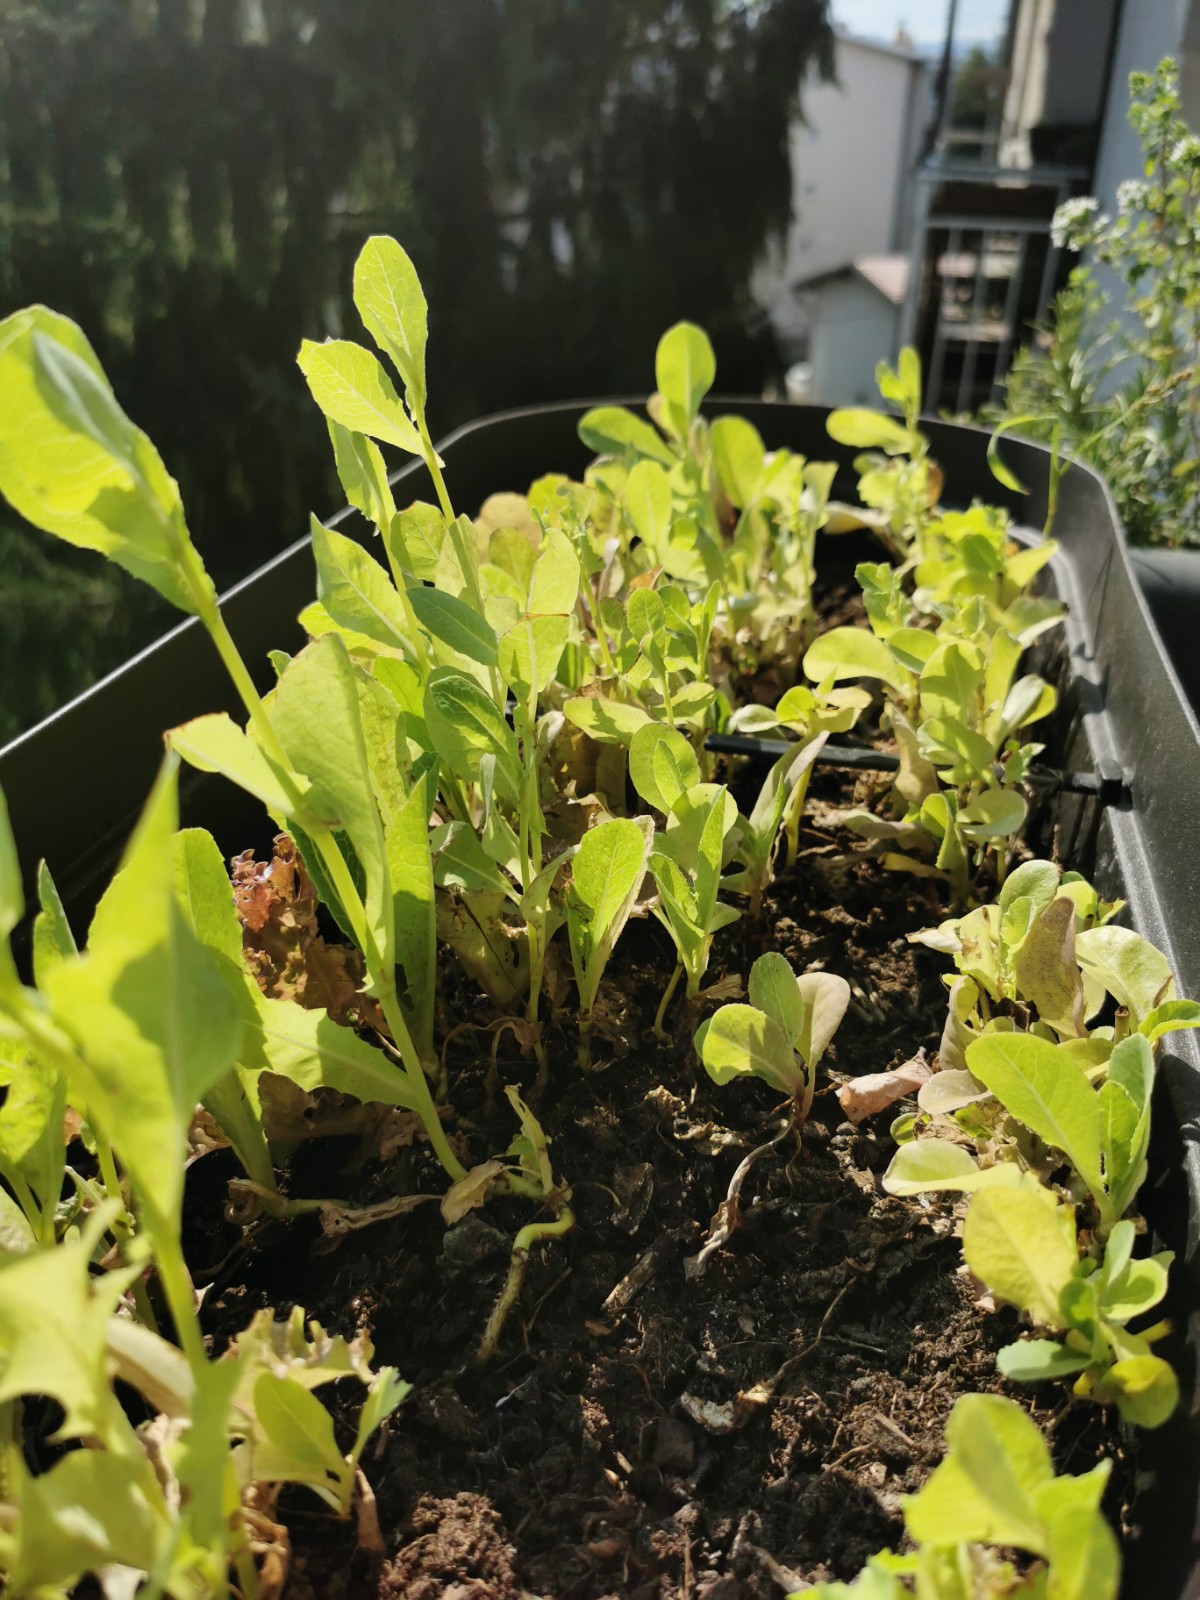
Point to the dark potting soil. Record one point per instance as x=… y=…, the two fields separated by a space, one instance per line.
x=644 y=1432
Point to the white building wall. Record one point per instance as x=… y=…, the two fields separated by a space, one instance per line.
x=1058 y=58
x=853 y=328
x=1149 y=30
x=852 y=161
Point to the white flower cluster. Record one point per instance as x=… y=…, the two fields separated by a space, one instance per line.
x=1132 y=194
x=1076 y=222
x=1186 y=149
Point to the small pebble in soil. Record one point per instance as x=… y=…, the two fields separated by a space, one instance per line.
x=468 y=1244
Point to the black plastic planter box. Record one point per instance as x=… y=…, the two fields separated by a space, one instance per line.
x=1170 y=580
x=76 y=782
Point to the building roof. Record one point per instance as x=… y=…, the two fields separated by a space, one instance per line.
x=899 y=49
x=888 y=274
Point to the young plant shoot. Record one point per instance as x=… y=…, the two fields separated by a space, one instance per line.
x=781 y=1035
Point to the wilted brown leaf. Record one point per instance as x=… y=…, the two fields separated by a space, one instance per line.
x=863 y=1097
x=394 y=1131
x=645 y=580
x=203 y=1136
x=469 y=1191
x=338 y=1219
x=291 y=1114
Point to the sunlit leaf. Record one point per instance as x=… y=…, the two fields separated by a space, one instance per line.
x=1021 y=1245
x=853 y=653
x=355 y=590
x=150 y=1013
x=391 y=303
x=606 y=871
x=73 y=464
x=612 y=430
x=684 y=368
x=351 y=387
x=742 y=1041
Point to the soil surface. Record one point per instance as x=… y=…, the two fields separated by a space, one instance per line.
x=648 y=1428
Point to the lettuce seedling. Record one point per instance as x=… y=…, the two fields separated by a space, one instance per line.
x=781 y=797
x=971 y=555
x=1021 y=1241
x=31 y=1146
x=657 y=668
x=955 y=705
x=898 y=483
x=686 y=862
x=769 y=564
x=958 y=716
x=32 y=1150
x=606 y=873
x=808 y=715
x=710 y=506
x=781 y=1035
x=994 y=1490
x=353 y=389
x=336 y=728
x=1046 y=955
x=190 y=1493
x=1021 y=1245
x=1102 y=1130
x=526 y=1171
x=300 y=1044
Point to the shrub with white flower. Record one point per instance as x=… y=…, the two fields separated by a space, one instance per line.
x=1125 y=395
x=1077 y=223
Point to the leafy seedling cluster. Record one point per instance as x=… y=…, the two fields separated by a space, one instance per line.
x=492 y=749
x=1041 y=1111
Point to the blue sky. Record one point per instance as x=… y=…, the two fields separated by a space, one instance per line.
x=978 y=20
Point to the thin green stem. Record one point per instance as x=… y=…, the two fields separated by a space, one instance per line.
x=346 y=890
x=181 y=1297
x=244 y=684
x=143 y=1305
x=455 y=797
x=108 y=1169
x=659 y=1031
x=382 y=971
x=435 y=471
x=468 y=562
x=668 y=708
x=529 y=1236
x=424 y=664
x=418 y=1083
x=530 y=851
x=600 y=634
x=56 y=1047
x=155 y=1586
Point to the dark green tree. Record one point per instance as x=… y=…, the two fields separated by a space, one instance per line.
x=192 y=179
